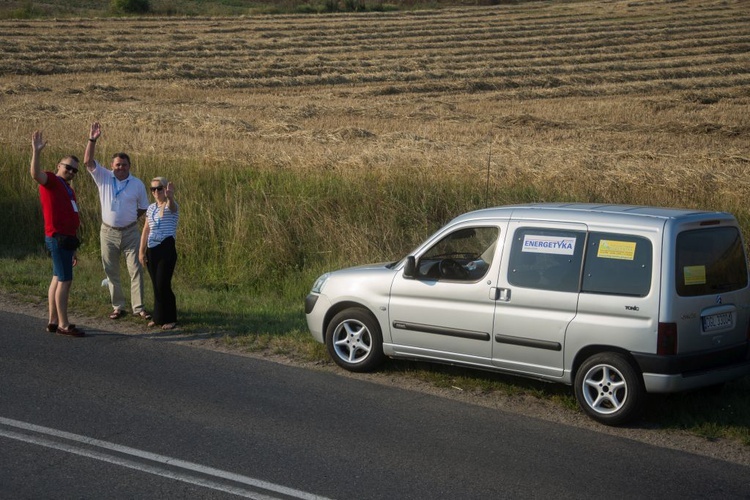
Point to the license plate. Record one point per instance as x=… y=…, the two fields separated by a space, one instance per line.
x=717 y=321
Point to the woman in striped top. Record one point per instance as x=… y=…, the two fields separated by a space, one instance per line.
x=157 y=252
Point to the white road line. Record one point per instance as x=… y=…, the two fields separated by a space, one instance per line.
x=142 y=458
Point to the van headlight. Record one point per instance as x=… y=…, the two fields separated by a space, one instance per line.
x=319 y=283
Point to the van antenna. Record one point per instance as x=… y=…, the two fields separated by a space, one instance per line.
x=487 y=184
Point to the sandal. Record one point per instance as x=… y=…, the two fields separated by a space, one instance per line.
x=117 y=314
x=151 y=324
x=142 y=315
x=71 y=331
x=52 y=327
x=169 y=326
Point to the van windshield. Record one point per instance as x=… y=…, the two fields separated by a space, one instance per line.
x=710 y=261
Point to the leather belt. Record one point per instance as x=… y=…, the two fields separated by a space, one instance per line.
x=123 y=228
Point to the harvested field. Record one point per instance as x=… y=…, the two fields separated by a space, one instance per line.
x=634 y=101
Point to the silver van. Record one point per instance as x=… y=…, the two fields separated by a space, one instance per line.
x=614 y=300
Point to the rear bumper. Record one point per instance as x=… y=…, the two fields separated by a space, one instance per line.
x=657 y=382
x=692 y=371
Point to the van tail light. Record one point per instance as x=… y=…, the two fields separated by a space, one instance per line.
x=666 y=340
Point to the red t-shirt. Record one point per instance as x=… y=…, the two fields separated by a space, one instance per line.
x=59 y=206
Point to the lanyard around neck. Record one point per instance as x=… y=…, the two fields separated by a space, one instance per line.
x=67 y=188
x=114 y=186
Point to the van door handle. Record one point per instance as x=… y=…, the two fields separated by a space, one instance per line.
x=500 y=294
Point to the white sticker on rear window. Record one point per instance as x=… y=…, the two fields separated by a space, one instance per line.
x=620 y=250
x=559 y=245
x=694 y=275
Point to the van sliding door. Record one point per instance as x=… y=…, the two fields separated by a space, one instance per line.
x=539 y=282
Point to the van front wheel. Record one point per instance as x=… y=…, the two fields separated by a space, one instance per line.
x=354 y=340
x=608 y=388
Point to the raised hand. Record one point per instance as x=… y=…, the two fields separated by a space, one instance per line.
x=37 y=141
x=96 y=131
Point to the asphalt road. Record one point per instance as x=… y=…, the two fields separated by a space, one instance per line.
x=121 y=416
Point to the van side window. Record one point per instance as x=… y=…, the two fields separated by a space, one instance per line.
x=710 y=261
x=464 y=255
x=548 y=259
x=617 y=264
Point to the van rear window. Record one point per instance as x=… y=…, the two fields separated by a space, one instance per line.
x=710 y=261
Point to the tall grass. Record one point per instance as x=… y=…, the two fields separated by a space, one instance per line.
x=251 y=228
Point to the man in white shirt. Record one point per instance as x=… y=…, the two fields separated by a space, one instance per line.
x=123 y=199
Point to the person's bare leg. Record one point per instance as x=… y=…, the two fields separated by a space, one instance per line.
x=53 y=316
x=61 y=301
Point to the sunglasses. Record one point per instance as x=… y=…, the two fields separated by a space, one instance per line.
x=157 y=188
x=70 y=168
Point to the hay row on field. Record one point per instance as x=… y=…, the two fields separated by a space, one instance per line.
x=484 y=44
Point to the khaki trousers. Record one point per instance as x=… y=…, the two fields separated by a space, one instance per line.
x=115 y=243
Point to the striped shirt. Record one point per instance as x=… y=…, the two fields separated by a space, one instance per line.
x=160 y=228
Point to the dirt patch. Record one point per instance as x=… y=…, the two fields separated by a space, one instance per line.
x=720 y=449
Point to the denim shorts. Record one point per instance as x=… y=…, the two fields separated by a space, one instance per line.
x=62 y=260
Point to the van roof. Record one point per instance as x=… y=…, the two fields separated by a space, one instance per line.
x=593 y=212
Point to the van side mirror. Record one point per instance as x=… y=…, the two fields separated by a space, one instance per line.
x=410 y=268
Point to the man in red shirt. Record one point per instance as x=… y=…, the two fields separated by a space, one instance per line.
x=61 y=221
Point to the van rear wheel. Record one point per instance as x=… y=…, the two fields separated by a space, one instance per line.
x=609 y=389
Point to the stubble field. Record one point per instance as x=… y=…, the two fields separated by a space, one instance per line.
x=610 y=101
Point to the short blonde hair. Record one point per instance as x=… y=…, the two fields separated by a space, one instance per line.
x=162 y=181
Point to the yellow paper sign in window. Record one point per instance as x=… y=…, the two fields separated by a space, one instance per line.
x=621 y=250
x=694 y=275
